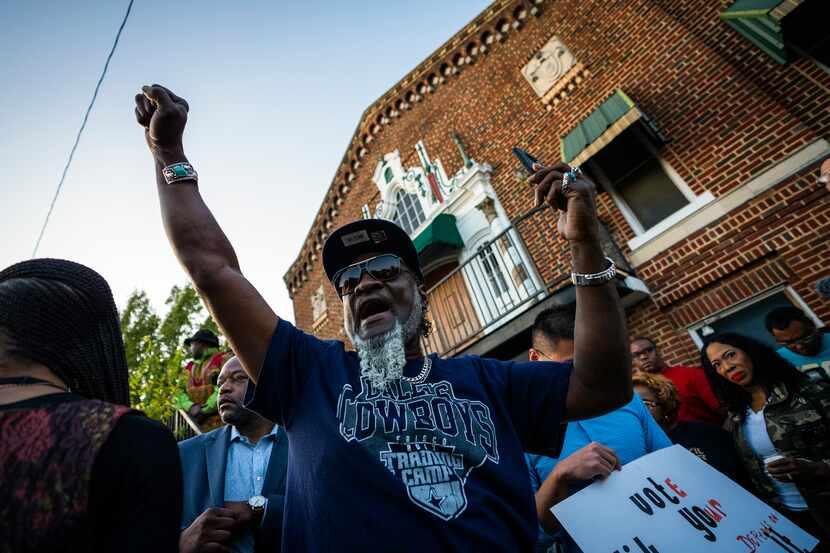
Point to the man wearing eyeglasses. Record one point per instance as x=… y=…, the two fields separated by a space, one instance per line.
x=552 y=335
x=391 y=449
x=697 y=400
x=593 y=448
x=802 y=344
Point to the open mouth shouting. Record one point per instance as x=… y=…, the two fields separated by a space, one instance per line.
x=374 y=315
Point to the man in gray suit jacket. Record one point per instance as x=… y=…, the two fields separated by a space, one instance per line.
x=234 y=477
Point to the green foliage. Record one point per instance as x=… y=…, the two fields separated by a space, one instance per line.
x=155 y=353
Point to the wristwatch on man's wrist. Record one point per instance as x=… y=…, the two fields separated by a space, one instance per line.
x=596 y=279
x=257 y=504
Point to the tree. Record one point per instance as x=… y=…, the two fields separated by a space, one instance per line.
x=137 y=322
x=154 y=347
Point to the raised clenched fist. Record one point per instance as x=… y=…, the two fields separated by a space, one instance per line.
x=163 y=116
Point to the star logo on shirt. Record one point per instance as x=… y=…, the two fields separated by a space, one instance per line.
x=434 y=500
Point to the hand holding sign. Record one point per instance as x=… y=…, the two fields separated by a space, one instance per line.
x=592 y=461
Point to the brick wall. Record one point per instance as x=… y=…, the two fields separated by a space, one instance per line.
x=729 y=111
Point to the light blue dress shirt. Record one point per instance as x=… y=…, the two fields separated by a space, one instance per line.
x=245 y=474
x=630 y=431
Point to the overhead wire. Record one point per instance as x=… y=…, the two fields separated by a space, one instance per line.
x=81 y=129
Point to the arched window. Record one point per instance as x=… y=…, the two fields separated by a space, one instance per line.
x=409 y=214
x=388 y=175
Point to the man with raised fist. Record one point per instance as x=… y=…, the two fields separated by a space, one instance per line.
x=391 y=450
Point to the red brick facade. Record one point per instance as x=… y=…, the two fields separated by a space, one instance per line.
x=730 y=112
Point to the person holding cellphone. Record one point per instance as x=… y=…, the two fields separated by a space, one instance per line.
x=390 y=449
x=780 y=421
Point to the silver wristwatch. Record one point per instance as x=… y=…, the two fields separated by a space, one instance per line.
x=257 y=503
x=595 y=279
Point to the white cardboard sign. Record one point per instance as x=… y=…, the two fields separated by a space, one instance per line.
x=672 y=502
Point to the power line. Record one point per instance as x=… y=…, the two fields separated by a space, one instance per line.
x=81 y=130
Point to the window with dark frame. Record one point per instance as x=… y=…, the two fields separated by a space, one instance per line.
x=630 y=170
x=748 y=320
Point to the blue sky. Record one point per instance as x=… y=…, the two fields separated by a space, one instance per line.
x=275 y=88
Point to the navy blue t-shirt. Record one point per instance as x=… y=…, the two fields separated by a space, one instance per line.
x=436 y=466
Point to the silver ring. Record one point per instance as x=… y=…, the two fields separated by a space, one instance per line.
x=566 y=181
x=569 y=177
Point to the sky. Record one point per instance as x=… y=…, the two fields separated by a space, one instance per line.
x=275 y=89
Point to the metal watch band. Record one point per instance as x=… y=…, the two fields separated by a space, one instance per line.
x=595 y=279
x=176 y=172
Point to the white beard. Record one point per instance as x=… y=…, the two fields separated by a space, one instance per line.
x=383 y=357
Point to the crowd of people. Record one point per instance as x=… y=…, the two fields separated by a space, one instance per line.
x=749 y=412
x=310 y=445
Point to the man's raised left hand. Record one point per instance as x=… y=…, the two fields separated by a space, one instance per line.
x=578 y=223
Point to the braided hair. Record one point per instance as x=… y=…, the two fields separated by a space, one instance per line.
x=61 y=314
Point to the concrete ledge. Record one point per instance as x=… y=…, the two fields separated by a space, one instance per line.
x=674 y=220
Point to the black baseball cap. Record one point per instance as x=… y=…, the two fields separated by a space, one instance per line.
x=367 y=236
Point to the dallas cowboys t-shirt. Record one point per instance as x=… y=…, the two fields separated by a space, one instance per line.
x=436 y=466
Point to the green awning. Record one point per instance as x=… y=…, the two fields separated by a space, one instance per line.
x=613 y=116
x=750 y=8
x=442 y=230
x=759 y=21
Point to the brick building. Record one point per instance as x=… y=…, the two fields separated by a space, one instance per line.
x=703 y=123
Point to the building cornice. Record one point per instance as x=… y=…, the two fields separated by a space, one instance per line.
x=476 y=39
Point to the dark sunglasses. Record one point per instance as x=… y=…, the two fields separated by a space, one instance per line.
x=383 y=268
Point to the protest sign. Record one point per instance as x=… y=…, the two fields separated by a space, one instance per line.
x=672 y=502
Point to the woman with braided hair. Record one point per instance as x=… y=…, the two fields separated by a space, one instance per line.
x=79 y=470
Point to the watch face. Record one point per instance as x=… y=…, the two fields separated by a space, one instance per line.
x=256 y=502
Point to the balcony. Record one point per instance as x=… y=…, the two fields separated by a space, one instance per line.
x=521 y=267
x=182 y=426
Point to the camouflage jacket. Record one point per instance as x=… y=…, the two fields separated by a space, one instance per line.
x=798 y=424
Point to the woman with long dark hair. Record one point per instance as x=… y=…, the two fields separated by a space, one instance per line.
x=780 y=421
x=79 y=470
